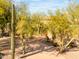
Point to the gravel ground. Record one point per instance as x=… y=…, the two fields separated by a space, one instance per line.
x=41 y=50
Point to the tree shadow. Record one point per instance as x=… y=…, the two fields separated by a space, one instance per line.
x=1 y=55
x=5 y=43
x=37 y=51
x=73 y=49
x=41 y=45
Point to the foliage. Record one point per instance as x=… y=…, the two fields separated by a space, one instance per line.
x=62 y=25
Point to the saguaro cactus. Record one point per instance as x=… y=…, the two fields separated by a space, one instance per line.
x=12 y=33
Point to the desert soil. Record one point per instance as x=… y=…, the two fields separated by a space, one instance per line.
x=41 y=50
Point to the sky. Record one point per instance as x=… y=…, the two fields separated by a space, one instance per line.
x=45 y=5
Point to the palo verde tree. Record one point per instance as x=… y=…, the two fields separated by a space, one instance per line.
x=22 y=25
x=5 y=15
x=72 y=12
x=37 y=23
x=58 y=26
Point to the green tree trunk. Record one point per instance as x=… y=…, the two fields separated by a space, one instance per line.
x=2 y=29
x=23 y=44
x=47 y=38
x=62 y=42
